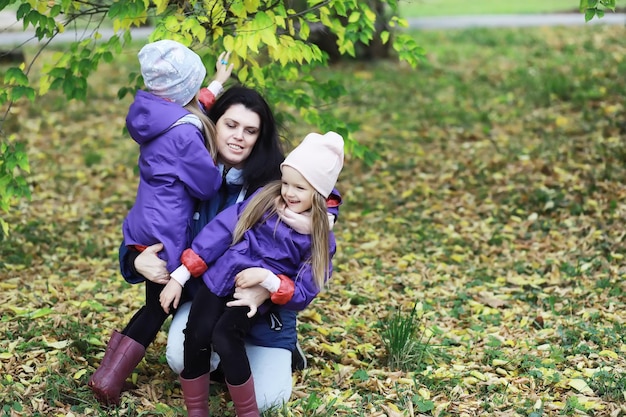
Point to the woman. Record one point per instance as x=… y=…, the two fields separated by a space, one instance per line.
x=249 y=156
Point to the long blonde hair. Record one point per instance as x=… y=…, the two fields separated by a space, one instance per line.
x=209 y=131
x=263 y=205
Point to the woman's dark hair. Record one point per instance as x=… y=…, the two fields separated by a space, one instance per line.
x=263 y=164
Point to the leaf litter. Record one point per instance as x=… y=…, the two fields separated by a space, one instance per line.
x=497 y=205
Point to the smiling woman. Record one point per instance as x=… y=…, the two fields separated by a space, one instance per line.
x=423 y=8
x=237 y=133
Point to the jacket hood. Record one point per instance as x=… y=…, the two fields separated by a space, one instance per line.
x=149 y=116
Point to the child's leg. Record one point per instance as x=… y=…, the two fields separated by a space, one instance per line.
x=228 y=341
x=206 y=309
x=147 y=322
x=125 y=350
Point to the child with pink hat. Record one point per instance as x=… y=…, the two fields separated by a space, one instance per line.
x=283 y=228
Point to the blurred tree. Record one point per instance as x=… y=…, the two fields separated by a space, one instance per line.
x=275 y=47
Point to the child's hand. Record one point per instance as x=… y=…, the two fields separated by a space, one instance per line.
x=170 y=295
x=250 y=277
x=222 y=68
x=250 y=297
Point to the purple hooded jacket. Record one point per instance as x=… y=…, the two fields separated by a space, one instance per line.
x=175 y=171
x=270 y=244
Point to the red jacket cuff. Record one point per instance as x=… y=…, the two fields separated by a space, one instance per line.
x=333 y=201
x=193 y=262
x=207 y=98
x=285 y=290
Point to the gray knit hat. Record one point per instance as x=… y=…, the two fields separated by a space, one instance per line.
x=171 y=70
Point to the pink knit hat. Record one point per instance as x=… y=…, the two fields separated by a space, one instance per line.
x=171 y=70
x=319 y=159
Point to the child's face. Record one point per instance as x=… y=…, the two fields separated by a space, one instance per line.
x=296 y=191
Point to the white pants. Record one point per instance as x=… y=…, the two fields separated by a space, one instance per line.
x=271 y=367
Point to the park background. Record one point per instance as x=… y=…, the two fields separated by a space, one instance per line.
x=481 y=258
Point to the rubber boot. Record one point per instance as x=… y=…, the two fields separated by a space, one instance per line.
x=119 y=361
x=116 y=338
x=196 y=395
x=114 y=341
x=244 y=399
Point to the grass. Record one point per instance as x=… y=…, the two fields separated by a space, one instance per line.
x=407 y=341
x=427 y=8
x=498 y=204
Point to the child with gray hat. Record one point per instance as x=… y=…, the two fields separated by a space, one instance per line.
x=176 y=169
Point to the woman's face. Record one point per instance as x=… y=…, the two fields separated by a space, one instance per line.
x=237 y=131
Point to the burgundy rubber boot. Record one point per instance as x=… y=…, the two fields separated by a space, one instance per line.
x=244 y=399
x=122 y=355
x=114 y=341
x=196 y=395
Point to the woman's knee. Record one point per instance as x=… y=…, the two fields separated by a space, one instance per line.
x=271 y=371
x=176 y=338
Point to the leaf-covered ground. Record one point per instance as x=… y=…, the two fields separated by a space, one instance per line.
x=496 y=210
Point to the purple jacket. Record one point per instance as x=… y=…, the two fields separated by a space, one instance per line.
x=175 y=170
x=271 y=244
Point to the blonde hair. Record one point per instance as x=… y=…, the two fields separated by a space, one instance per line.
x=209 y=131
x=263 y=205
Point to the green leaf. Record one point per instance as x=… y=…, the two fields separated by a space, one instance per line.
x=361 y=375
x=354 y=17
x=424 y=406
x=15 y=76
x=41 y=312
x=589 y=14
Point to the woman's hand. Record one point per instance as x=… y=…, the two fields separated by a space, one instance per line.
x=252 y=297
x=151 y=266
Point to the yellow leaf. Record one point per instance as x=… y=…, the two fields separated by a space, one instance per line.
x=57 y=345
x=85 y=286
x=161 y=6
x=6 y=355
x=457 y=257
x=311 y=315
x=95 y=341
x=80 y=373
x=335 y=348
x=370 y=245
x=478 y=375
x=392 y=410
x=323 y=331
x=561 y=121
x=609 y=353
x=580 y=386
